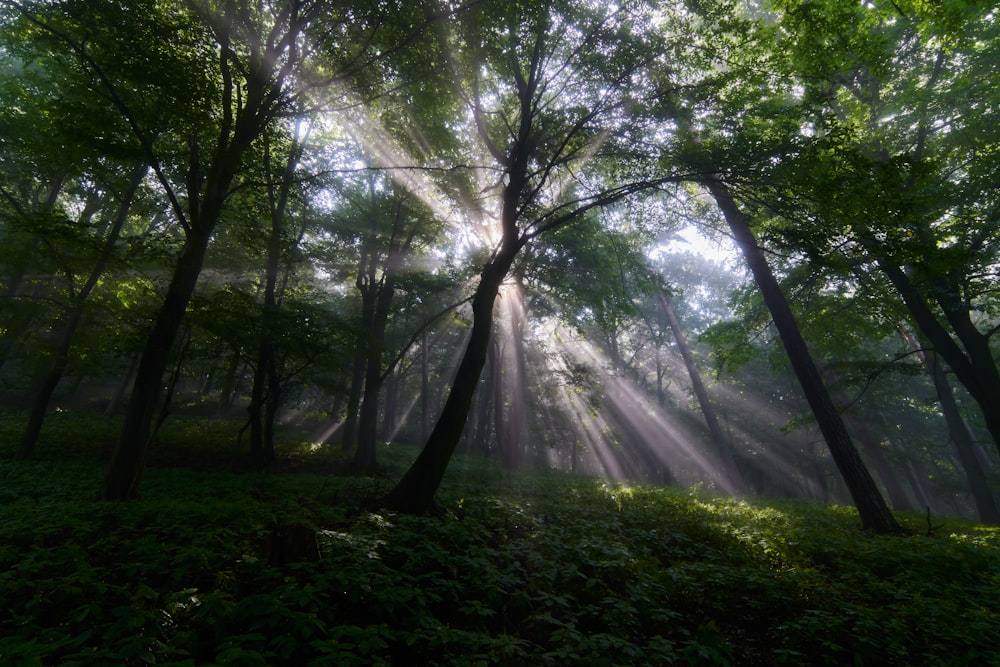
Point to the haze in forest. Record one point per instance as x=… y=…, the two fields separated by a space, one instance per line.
x=744 y=246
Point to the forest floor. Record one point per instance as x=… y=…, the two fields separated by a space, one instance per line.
x=213 y=566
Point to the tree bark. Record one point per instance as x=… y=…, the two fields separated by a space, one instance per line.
x=377 y=295
x=266 y=392
x=122 y=479
x=414 y=493
x=350 y=433
x=364 y=456
x=228 y=392
x=872 y=509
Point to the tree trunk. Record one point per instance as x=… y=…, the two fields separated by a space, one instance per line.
x=264 y=385
x=972 y=362
x=228 y=391
x=425 y=391
x=115 y=400
x=869 y=442
x=122 y=479
x=727 y=469
x=958 y=430
x=414 y=493
x=350 y=433
x=495 y=377
x=266 y=393
x=378 y=296
x=517 y=385
x=390 y=410
x=872 y=509
x=74 y=317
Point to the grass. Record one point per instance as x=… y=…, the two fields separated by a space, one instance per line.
x=526 y=569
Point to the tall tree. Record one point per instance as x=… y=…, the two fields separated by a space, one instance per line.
x=889 y=174
x=67 y=328
x=560 y=78
x=198 y=85
x=958 y=429
x=266 y=390
x=874 y=513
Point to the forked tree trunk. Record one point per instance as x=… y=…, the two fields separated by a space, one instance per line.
x=872 y=509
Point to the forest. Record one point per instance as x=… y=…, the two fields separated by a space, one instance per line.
x=499 y=332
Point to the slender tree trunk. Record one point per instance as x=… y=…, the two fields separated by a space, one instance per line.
x=390 y=411
x=364 y=456
x=350 y=434
x=872 y=509
x=872 y=449
x=365 y=462
x=266 y=393
x=68 y=331
x=271 y=407
x=115 y=400
x=965 y=446
x=958 y=430
x=228 y=391
x=379 y=295
x=496 y=386
x=425 y=391
x=514 y=447
x=260 y=395
x=724 y=454
x=972 y=362
x=479 y=437
x=919 y=488
x=869 y=442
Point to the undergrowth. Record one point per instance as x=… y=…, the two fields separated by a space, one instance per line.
x=532 y=569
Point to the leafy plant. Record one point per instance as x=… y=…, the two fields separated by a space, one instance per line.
x=541 y=569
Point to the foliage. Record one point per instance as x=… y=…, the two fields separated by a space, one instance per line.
x=541 y=569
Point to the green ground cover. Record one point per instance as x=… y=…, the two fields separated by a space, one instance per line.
x=525 y=569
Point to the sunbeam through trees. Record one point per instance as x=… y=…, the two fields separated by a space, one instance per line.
x=746 y=246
